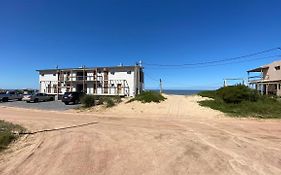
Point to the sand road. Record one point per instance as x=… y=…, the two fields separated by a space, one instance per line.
x=174 y=137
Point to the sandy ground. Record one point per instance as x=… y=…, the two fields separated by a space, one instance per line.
x=174 y=137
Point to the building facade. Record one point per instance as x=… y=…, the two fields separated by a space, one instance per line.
x=266 y=79
x=118 y=80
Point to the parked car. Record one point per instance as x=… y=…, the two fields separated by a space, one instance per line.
x=10 y=95
x=37 y=97
x=72 y=97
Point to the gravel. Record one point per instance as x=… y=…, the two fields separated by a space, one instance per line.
x=50 y=105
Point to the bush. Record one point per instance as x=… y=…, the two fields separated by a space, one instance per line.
x=149 y=96
x=92 y=100
x=233 y=94
x=88 y=100
x=263 y=108
x=243 y=101
x=237 y=94
x=6 y=133
x=109 y=102
x=210 y=94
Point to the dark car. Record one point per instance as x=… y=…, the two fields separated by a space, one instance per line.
x=72 y=97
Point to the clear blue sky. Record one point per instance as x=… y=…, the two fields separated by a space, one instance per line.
x=37 y=34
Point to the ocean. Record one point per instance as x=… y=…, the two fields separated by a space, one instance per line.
x=179 y=92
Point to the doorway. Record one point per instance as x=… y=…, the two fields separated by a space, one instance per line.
x=119 y=88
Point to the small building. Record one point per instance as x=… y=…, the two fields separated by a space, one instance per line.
x=266 y=79
x=118 y=80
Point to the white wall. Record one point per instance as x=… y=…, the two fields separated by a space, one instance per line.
x=45 y=80
x=129 y=77
x=123 y=76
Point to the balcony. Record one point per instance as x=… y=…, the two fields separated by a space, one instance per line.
x=257 y=78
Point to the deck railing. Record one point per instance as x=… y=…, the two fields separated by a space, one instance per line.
x=256 y=78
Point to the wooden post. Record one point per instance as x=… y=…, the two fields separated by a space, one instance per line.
x=161 y=86
x=71 y=76
x=135 y=81
x=58 y=84
x=83 y=76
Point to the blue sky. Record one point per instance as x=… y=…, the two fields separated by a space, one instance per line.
x=42 y=34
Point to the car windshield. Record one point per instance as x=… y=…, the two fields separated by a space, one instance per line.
x=67 y=93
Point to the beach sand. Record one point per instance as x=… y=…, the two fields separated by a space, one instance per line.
x=176 y=136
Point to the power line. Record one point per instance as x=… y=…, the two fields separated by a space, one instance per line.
x=215 y=61
x=210 y=65
x=151 y=78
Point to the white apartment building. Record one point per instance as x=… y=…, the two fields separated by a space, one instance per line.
x=118 y=80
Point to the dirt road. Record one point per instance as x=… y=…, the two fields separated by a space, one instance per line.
x=174 y=137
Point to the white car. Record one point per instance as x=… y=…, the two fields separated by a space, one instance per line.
x=37 y=97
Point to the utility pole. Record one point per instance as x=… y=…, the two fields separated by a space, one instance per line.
x=83 y=78
x=161 y=86
x=58 y=83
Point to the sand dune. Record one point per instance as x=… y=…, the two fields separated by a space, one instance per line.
x=174 y=137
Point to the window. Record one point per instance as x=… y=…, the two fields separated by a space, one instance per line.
x=129 y=72
x=277 y=67
x=54 y=74
x=112 y=85
x=42 y=75
x=112 y=73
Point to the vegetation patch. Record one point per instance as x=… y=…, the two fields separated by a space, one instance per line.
x=7 y=133
x=149 y=96
x=93 y=100
x=242 y=101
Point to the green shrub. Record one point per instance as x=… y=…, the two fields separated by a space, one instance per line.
x=92 y=100
x=263 y=108
x=210 y=94
x=149 y=96
x=6 y=133
x=109 y=102
x=88 y=100
x=233 y=94
x=242 y=101
x=237 y=94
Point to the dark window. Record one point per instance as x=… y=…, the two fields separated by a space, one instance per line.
x=277 y=67
x=54 y=74
x=42 y=74
x=129 y=72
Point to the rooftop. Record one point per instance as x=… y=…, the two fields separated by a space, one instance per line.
x=259 y=69
x=109 y=68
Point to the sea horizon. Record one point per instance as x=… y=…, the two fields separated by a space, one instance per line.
x=178 y=91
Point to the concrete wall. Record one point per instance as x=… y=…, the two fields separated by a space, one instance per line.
x=271 y=73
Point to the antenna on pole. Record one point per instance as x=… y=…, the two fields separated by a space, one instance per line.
x=140 y=63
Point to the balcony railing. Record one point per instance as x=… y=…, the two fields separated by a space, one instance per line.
x=261 y=77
